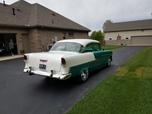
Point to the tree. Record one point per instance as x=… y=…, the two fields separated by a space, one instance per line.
x=93 y=35
x=97 y=35
x=106 y=23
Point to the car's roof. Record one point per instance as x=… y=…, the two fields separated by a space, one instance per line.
x=83 y=42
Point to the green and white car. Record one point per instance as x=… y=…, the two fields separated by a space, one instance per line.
x=68 y=58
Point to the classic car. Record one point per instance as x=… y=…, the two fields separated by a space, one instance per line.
x=68 y=58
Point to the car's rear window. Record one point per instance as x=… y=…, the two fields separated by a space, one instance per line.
x=67 y=46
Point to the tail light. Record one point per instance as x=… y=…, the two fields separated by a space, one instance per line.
x=25 y=57
x=63 y=62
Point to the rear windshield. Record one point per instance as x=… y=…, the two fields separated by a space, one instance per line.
x=67 y=46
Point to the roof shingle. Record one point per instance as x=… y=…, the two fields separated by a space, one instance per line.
x=132 y=25
x=34 y=15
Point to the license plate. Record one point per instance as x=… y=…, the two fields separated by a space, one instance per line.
x=42 y=66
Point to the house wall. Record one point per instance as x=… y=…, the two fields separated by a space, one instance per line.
x=40 y=38
x=36 y=40
x=81 y=35
x=126 y=37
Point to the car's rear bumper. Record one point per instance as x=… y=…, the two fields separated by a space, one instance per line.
x=50 y=74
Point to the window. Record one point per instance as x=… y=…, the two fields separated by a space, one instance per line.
x=127 y=38
x=88 y=48
x=110 y=38
x=67 y=46
x=92 y=47
x=71 y=34
x=97 y=47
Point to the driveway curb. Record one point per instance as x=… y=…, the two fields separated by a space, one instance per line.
x=10 y=57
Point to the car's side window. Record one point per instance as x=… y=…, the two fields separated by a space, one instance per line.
x=88 y=48
x=92 y=47
x=97 y=47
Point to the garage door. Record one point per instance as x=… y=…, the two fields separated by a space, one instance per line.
x=141 y=40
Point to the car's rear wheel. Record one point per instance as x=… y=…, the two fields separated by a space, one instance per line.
x=83 y=76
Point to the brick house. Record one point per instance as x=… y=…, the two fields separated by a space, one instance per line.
x=133 y=33
x=33 y=26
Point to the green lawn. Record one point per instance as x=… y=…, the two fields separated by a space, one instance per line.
x=127 y=91
x=110 y=47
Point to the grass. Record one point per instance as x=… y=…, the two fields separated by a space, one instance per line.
x=127 y=91
x=110 y=47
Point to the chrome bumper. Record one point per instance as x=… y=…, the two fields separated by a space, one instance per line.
x=50 y=74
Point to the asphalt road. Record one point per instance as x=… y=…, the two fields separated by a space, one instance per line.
x=24 y=94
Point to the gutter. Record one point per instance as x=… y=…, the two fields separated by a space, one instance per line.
x=40 y=26
x=120 y=30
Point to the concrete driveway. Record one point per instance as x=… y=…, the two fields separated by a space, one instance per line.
x=23 y=94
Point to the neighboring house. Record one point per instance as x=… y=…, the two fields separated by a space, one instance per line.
x=133 y=33
x=32 y=26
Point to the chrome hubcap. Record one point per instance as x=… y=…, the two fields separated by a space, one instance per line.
x=109 y=62
x=84 y=75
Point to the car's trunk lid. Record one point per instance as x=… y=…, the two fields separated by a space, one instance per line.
x=46 y=61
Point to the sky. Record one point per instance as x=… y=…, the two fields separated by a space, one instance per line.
x=93 y=13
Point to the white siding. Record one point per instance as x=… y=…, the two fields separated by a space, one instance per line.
x=126 y=37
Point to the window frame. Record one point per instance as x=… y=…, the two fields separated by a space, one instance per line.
x=92 y=49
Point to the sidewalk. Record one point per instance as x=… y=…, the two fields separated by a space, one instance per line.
x=3 y=58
